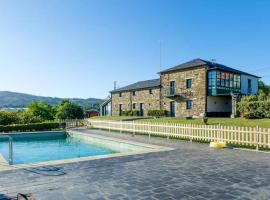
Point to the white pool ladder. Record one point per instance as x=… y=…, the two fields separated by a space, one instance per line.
x=10 y=140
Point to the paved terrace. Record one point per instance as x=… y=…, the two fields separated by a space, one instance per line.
x=191 y=171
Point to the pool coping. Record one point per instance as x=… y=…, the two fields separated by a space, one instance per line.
x=4 y=166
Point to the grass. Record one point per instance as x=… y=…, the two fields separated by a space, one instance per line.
x=229 y=145
x=116 y=118
x=264 y=123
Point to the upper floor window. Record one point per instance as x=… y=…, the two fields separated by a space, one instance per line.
x=172 y=87
x=224 y=80
x=134 y=93
x=249 y=83
x=120 y=94
x=189 y=104
x=150 y=91
x=189 y=83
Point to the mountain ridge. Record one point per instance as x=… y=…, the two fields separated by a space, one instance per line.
x=9 y=99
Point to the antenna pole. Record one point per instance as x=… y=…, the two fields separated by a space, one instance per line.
x=160 y=56
x=114 y=85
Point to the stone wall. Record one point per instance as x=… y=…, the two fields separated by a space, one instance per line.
x=197 y=93
x=124 y=100
x=150 y=101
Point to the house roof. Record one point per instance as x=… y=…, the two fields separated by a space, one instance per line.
x=200 y=62
x=140 y=85
x=106 y=101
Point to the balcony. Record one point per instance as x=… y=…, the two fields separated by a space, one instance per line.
x=169 y=91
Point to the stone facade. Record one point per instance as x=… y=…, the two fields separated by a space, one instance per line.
x=197 y=93
x=124 y=99
x=158 y=99
x=127 y=99
x=184 y=91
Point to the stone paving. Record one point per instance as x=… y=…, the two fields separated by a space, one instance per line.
x=191 y=171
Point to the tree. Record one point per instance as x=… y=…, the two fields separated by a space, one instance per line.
x=7 y=118
x=264 y=88
x=27 y=118
x=41 y=110
x=69 y=110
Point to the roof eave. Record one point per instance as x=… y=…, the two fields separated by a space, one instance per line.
x=216 y=68
x=116 y=91
x=174 y=70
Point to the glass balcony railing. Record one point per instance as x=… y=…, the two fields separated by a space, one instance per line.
x=169 y=91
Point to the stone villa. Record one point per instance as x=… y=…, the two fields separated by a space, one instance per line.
x=193 y=89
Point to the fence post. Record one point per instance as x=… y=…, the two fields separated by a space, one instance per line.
x=133 y=127
x=121 y=126
x=171 y=128
x=219 y=130
x=190 y=132
x=257 y=138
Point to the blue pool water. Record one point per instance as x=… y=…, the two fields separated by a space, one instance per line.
x=31 y=148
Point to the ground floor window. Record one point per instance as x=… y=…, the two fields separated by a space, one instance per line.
x=120 y=109
x=142 y=109
x=172 y=108
x=134 y=106
x=189 y=104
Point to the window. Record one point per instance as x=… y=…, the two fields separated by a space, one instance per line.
x=212 y=78
x=134 y=93
x=120 y=94
x=249 y=83
x=120 y=109
x=150 y=91
x=134 y=106
x=189 y=83
x=172 y=87
x=141 y=109
x=172 y=108
x=189 y=104
x=223 y=80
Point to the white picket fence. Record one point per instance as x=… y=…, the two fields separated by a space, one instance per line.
x=73 y=123
x=248 y=136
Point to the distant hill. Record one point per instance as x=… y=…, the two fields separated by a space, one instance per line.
x=21 y=100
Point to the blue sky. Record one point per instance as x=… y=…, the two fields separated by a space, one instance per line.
x=79 y=48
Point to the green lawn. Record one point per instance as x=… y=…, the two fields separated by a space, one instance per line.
x=115 y=118
x=264 y=123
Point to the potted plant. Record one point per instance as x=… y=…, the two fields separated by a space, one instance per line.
x=205 y=120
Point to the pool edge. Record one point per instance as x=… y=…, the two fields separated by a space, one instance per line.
x=151 y=149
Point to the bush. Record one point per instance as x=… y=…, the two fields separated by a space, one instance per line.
x=131 y=113
x=69 y=110
x=157 y=113
x=32 y=127
x=9 y=118
x=254 y=109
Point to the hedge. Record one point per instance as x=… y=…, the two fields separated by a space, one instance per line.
x=255 y=109
x=46 y=126
x=131 y=113
x=157 y=113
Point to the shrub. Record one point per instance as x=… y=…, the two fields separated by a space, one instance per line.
x=32 y=127
x=69 y=110
x=9 y=118
x=131 y=113
x=157 y=113
x=254 y=109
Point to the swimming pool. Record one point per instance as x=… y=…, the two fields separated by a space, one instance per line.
x=50 y=146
